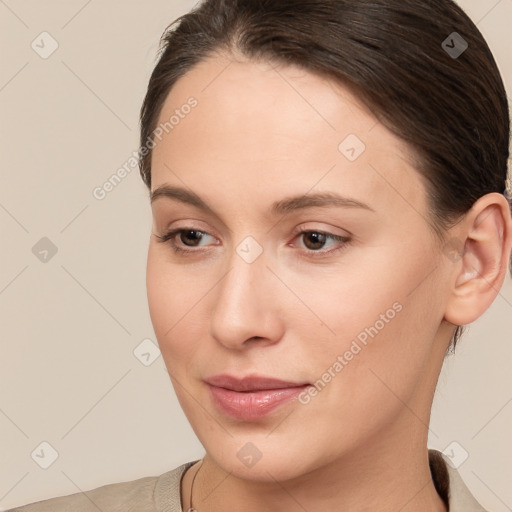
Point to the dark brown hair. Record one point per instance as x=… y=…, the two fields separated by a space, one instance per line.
x=407 y=60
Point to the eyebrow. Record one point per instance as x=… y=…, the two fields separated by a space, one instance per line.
x=281 y=207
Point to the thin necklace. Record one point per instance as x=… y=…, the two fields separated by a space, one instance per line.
x=192 y=509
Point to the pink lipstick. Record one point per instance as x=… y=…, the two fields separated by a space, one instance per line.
x=251 y=397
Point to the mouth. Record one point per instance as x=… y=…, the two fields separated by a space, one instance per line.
x=251 y=397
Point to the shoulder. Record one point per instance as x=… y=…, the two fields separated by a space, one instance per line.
x=114 y=496
x=147 y=494
x=450 y=485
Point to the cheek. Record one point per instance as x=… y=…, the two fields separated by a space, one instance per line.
x=174 y=301
x=378 y=315
x=160 y=300
x=358 y=298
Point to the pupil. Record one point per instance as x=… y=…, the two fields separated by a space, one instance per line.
x=320 y=240
x=187 y=234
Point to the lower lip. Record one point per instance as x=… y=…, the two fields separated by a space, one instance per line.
x=252 y=405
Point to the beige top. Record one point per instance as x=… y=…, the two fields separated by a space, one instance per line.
x=162 y=493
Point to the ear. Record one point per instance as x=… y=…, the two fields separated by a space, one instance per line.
x=482 y=243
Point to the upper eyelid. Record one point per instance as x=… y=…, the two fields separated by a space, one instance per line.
x=301 y=229
x=286 y=216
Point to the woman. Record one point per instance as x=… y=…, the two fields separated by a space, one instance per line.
x=327 y=185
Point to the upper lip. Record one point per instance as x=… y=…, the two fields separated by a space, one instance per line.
x=250 y=382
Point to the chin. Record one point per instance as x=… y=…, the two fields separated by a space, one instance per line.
x=259 y=456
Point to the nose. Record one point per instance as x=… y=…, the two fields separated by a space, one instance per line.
x=246 y=306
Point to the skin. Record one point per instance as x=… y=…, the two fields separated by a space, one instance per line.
x=260 y=133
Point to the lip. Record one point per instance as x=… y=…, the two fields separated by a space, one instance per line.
x=252 y=396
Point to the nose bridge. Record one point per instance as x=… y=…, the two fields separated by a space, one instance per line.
x=245 y=303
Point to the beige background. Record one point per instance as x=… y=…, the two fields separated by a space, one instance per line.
x=69 y=326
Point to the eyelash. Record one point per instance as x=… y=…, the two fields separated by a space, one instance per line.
x=170 y=235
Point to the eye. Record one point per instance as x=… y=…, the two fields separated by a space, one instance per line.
x=189 y=237
x=314 y=240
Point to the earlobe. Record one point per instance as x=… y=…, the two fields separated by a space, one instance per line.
x=485 y=236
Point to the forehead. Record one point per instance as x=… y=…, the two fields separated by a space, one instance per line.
x=287 y=102
x=260 y=127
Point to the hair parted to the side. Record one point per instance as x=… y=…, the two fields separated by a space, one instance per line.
x=453 y=112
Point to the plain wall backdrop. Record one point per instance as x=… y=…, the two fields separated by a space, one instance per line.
x=73 y=300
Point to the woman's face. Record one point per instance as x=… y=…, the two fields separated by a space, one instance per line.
x=360 y=315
